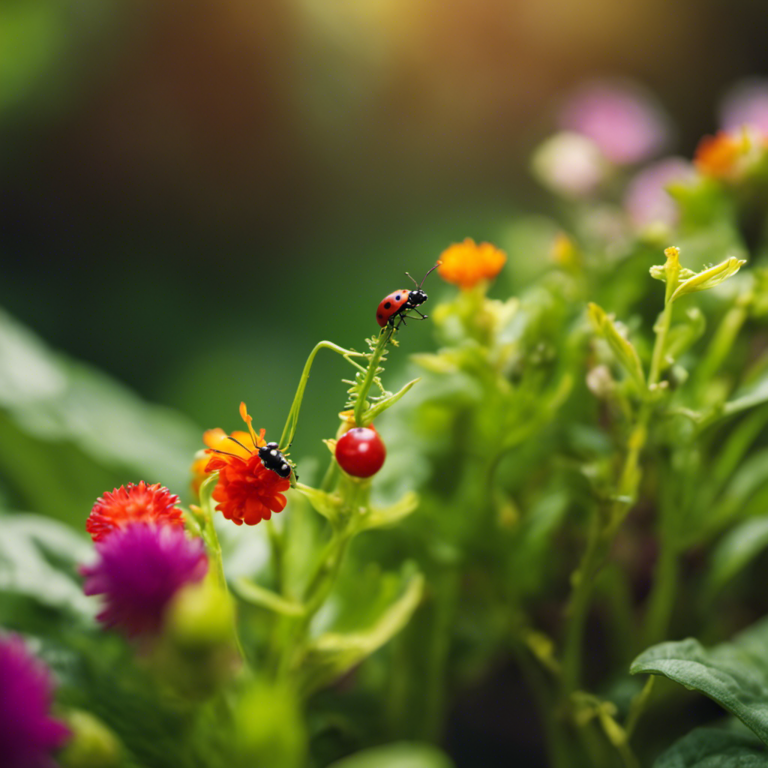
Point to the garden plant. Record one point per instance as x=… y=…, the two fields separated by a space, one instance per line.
x=569 y=492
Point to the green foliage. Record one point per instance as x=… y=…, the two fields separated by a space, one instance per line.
x=734 y=674
x=710 y=748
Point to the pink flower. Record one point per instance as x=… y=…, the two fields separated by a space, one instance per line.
x=624 y=122
x=746 y=104
x=140 y=569
x=647 y=200
x=28 y=734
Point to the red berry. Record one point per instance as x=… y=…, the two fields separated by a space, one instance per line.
x=360 y=452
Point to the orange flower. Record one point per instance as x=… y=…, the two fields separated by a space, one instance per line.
x=466 y=264
x=247 y=491
x=717 y=155
x=130 y=504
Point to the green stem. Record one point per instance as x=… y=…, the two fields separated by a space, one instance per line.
x=361 y=404
x=293 y=415
x=722 y=343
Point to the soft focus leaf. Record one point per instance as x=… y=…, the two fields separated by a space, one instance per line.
x=737 y=549
x=61 y=408
x=713 y=748
x=332 y=654
x=623 y=349
x=734 y=674
x=39 y=558
x=401 y=755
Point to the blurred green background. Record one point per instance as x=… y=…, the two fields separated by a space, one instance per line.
x=193 y=193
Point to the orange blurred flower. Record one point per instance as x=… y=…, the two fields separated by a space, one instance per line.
x=131 y=504
x=729 y=155
x=466 y=264
x=717 y=155
x=246 y=491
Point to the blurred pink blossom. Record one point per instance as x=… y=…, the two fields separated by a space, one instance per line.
x=620 y=118
x=746 y=103
x=569 y=164
x=647 y=201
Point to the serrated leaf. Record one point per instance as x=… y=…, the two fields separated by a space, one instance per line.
x=401 y=755
x=709 y=278
x=734 y=674
x=621 y=347
x=714 y=748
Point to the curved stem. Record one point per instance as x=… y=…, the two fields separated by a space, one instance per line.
x=293 y=415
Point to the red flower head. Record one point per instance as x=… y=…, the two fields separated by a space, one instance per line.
x=247 y=491
x=130 y=504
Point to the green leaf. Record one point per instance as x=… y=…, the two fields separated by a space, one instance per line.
x=38 y=559
x=714 y=748
x=709 y=278
x=376 y=410
x=333 y=653
x=750 y=396
x=734 y=674
x=737 y=549
x=382 y=517
x=266 y=598
x=621 y=347
x=401 y=755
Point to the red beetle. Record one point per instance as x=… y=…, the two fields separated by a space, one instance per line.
x=399 y=302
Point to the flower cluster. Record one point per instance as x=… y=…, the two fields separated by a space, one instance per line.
x=145 y=556
x=28 y=733
x=246 y=491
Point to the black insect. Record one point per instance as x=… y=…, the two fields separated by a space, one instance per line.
x=273 y=459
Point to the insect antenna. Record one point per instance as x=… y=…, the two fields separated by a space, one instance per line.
x=429 y=272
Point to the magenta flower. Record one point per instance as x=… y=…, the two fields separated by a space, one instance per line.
x=624 y=122
x=141 y=567
x=746 y=104
x=28 y=734
x=647 y=200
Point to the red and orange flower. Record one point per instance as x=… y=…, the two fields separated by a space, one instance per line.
x=140 y=503
x=466 y=264
x=246 y=491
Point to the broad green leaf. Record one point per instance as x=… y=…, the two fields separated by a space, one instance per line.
x=734 y=674
x=402 y=755
x=51 y=406
x=737 y=549
x=39 y=558
x=621 y=347
x=714 y=748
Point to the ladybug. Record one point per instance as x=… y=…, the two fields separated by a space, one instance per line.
x=272 y=458
x=399 y=302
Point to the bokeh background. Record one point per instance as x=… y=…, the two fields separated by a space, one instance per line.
x=192 y=194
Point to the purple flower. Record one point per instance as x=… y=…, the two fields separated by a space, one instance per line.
x=620 y=118
x=746 y=104
x=141 y=567
x=647 y=201
x=28 y=734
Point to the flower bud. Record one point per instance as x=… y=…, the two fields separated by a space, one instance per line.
x=92 y=744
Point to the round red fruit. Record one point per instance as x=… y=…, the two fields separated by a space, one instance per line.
x=360 y=452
